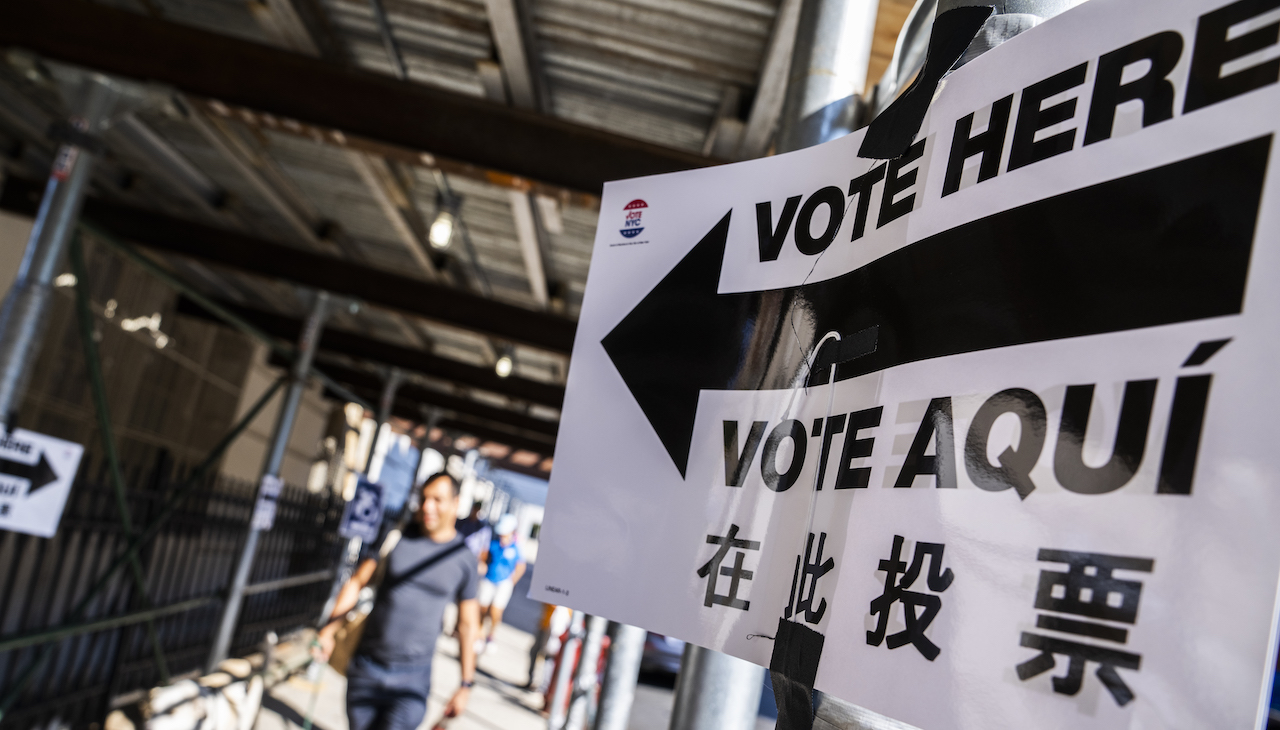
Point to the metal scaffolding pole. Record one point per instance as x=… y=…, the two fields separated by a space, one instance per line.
x=26 y=307
x=716 y=692
x=618 y=690
x=828 y=72
x=585 y=684
x=98 y=387
x=270 y=474
x=389 y=387
x=351 y=551
x=346 y=567
x=430 y=417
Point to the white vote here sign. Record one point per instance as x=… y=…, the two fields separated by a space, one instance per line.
x=36 y=472
x=995 y=418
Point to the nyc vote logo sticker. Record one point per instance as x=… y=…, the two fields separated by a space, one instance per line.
x=633 y=224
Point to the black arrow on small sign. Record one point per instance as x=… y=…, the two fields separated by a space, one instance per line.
x=40 y=474
x=1166 y=245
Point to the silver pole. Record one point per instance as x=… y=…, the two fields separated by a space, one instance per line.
x=584 y=687
x=828 y=72
x=564 y=674
x=346 y=566
x=389 y=387
x=430 y=417
x=620 y=675
x=834 y=713
x=716 y=692
x=270 y=470
x=1010 y=18
x=351 y=551
x=26 y=307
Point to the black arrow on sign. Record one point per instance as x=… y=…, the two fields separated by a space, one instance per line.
x=1166 y=245
x=40 y=474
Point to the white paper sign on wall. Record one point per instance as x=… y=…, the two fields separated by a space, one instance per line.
x=264 y=509
x=996 y=418
x=362 y=517
x=36 y=472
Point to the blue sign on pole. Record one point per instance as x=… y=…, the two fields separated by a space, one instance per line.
x=363 y=516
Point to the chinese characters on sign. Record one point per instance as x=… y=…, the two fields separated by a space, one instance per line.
x=808 y=573
x=1048 y=326
x=895 y=590
x=712 y=570
x=1087 y=589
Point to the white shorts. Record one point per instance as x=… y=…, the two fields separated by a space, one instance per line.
x=494 y=594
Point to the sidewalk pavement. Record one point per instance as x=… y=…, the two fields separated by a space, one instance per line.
x=496 y=703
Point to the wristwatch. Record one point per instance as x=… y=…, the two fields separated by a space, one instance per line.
x=467 y=684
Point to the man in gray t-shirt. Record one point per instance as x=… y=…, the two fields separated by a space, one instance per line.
x=389 y=678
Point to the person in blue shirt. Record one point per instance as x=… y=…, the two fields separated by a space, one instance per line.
x=501 y=566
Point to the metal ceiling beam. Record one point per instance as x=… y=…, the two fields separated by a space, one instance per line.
x=362 y=382
x=379 y=351
x=495 y=462
x=255 y=171
x=432 y=301
x=389 y=40
x=320 y=30
x=408 y=409
x=491 y=79
x=280 y=20
x=479 y=412
x=517 y=63
x=725 y=135
x=771 y=93
x=395 y=205
x=545 y=448
x=311 y=90
x=169 y=165
x=530 y=250
x=396 y=153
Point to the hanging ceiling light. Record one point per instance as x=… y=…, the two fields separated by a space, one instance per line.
x=441 y=230
x=441 y=233
x=504 y=366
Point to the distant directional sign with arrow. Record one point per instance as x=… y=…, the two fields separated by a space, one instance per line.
x=36 y=473
x=979 y=437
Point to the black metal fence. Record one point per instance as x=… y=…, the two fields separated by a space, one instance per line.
x=187 y=569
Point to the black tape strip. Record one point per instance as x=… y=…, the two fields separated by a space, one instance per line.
x=891 y=133
x=793 y=669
